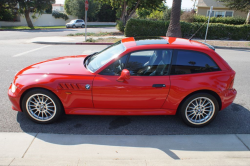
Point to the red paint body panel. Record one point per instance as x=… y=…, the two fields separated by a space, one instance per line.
x=99 y=111
x=137 y=92
x=66 y=77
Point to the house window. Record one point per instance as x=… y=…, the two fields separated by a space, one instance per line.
x=218 y=13
x=229 y=14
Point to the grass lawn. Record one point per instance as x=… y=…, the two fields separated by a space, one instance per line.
x=97 y=34
x=51 y=27
x=104 y=40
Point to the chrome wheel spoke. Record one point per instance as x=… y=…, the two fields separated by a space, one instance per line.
x=200 y=110
x=41 y=107
x=50 y=110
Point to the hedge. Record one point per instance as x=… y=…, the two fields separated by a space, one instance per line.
x=138 y=27
x=223 y=20
x=57 y=14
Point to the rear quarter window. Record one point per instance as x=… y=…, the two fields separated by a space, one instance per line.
x=190 y=62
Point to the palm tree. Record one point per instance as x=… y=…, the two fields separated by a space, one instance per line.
x=174 y=28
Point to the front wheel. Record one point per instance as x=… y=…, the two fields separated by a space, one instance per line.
x=199 y=109
x=41 y=106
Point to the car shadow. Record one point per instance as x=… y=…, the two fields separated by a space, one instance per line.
x=232 y=120
x=134 y=132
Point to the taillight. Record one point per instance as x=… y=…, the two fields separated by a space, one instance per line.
x=231 y=84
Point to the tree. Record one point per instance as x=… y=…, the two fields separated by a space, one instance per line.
x=174 y=28
x=241 y=5
x=128 y=7
x=146 y=12
x=33 y=6
x=77 y=8
x=106 y=14
x=6 y=10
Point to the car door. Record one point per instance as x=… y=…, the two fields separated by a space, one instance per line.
x=78 y=23
x=147 y=87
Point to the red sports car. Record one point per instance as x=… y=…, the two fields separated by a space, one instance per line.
x=135 y=76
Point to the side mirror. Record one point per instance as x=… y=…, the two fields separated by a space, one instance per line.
x=125 y=75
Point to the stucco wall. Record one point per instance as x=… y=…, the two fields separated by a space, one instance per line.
x=42 y=20
x=203 y=11
x=48 y=20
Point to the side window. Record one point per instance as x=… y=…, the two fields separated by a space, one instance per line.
x=149 y=62
x=189 y=62
x=116 y=67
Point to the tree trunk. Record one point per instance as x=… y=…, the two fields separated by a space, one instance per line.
x=123 y=14
x=248 y=16
x=28 y=20
x=129 y=15
x=174 y=28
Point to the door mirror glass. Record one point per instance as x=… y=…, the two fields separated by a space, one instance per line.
x=125 y=75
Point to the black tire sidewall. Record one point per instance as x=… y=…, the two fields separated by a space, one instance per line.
x=184 y=104
x=59 y=108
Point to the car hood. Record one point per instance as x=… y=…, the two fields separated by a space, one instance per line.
x=70 y=65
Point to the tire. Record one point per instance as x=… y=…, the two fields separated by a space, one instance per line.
x=199 y=109
x=73 y=26
x=83 y=26
x=41 y=106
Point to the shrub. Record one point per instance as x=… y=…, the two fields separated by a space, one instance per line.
x=137 y=27
x=156 y=15
x=223 y=20
x=91 y=40
x=120 y=26
x=57 y=14
x=187 y=16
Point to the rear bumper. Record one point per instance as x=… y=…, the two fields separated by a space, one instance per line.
x=14 y=99
x=227 y=97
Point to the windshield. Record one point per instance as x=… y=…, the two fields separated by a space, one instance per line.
x=72 y=21
x=101 y=58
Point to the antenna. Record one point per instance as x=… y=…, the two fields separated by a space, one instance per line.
x=197 y=31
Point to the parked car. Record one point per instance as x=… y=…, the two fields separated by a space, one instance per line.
x=75 y=24
x=135 y=76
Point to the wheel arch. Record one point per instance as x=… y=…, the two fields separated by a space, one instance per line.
x=27 y=90
x=203 y=91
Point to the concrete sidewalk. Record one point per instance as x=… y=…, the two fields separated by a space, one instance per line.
x=113 y=150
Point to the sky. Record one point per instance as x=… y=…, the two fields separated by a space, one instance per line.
x=186 y=4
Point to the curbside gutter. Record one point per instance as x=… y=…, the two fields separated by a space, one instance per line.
x=70 y=43
x=82 y=43
x=238 y=48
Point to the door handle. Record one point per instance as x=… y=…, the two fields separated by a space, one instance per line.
x=159 y=85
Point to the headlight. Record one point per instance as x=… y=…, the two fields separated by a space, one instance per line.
x=13 y=88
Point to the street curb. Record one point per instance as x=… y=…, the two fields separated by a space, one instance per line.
x=68 y=43
x=238 y=48
x=81 y=43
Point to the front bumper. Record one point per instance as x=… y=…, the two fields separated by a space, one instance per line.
x=69 y=25
x=228 y=97
x=15 y=99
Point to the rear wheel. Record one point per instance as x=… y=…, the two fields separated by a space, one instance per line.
x=199 y=109
x=41 y=106
x=83 y=26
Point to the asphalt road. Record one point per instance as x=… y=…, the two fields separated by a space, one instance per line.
x=28 y=34
x=15 y=55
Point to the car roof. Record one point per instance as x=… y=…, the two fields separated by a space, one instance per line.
x=159 y=40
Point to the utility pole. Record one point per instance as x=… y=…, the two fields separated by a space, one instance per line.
x=86 y=11
x=211 y=10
